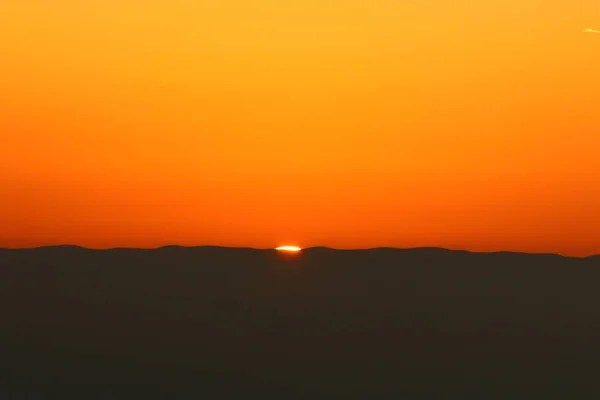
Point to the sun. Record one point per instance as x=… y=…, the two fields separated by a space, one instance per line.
x=292 y=249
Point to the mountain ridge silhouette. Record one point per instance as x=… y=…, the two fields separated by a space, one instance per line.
x=306 y=249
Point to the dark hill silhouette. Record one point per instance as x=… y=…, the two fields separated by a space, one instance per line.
x=210 y=322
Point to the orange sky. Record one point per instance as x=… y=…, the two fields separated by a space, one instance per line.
x=342 y=123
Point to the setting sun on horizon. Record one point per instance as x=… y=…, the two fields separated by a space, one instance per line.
x=292 y=249
x=346 y=124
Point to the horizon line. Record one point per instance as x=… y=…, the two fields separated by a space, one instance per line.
x=303 y=249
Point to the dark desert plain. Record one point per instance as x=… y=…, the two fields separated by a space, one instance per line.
x=215 y=322
x=155 y=153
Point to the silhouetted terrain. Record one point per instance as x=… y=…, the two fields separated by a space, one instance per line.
x=216 y=323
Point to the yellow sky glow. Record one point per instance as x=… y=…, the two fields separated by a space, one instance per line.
x=338 y=123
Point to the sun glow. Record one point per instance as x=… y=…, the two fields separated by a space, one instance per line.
x=288 y=248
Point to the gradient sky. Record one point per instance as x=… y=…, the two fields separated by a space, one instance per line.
x=342 y=123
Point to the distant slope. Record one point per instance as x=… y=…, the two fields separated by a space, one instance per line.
x=210 y=322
